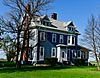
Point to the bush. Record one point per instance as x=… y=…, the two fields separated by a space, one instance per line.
x=51 y=61
x=79 y=62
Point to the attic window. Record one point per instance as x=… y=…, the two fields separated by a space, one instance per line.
x=71 y=29
x=45 y=23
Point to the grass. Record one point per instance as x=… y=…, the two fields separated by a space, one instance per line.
x=49 y=72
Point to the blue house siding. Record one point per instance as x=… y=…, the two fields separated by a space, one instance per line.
x=48 y=44
x=49 y=38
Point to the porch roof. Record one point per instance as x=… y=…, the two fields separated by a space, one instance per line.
x=78 y=46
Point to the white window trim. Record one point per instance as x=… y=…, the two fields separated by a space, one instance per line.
x=54 y=37
x=44 y=36
x=70 y=37
x=61 y=38
x=52 y=52
x=41 y=57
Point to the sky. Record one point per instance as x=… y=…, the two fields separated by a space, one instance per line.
x=77 y=11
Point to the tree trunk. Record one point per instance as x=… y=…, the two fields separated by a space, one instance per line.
x=98 y=67
x=18 y=64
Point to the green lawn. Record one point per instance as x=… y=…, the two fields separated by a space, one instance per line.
x=49 y=72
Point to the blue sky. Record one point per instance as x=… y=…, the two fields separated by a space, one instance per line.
x=77 y=11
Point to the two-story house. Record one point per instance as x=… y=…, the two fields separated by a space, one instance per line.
x=52 y=38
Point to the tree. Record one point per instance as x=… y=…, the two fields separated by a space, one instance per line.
x=9 y=47
x=22 y=11
x=92 y=37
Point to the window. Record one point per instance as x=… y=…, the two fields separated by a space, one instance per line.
x=68 y=39
x=42 y=36
x=48 y=24
x=53 y=52
x=61 y=40
x=73 y=40
x=63 y=54
x=41 y=52
x=86 y=55
x=79 y=53
x=68 y=53
x=69 y=28
x=73 y=53
x=44 y=22
x=53 y=37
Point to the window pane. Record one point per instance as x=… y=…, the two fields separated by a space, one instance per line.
x=53 y=37
x=61 y=39
x=42 y=36
x=41 y=51
x=53 y=53
x=73 y=38
x=68 y=54
x=68 y=37
x=62 y=54
x=78 y=53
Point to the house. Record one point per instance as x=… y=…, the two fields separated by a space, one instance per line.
x=50 y=38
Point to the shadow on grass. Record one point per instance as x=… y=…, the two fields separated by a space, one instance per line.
x=26 y=68
x=9 y=67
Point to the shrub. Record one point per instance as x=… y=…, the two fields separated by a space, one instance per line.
x=51 y=61
x=79 y=62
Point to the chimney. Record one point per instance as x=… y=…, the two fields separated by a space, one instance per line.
x=54 y=16
x=27 y=8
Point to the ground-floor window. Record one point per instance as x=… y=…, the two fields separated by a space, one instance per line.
x=73 y=53
x=53 y=52
x=78 y=53
x=41 y=52
x=68 y=53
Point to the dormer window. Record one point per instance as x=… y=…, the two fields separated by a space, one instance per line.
x=46 y=23
x=71 y=29
x=70 y=26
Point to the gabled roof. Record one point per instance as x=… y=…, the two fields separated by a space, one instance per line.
x=57 y=24
x=45 y=17
x=62 y=25
x=70 y=23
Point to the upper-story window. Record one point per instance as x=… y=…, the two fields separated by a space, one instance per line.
x=53 y=52
x=68 y=39
x=73 y=40
x=61 y=39
x=53 y=37
x=42 y=36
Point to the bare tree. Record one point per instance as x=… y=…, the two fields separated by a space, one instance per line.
x=20 y=15
x=91 y=37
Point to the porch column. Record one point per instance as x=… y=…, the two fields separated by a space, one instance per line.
x=59 y=54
